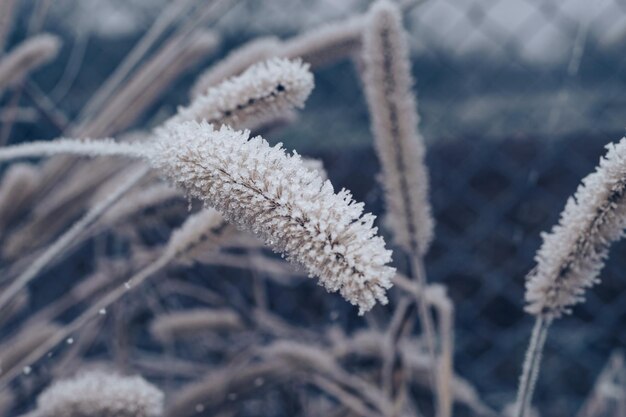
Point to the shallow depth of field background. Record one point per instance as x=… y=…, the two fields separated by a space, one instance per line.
x=517 y=99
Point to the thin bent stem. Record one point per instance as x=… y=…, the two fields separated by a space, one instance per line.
x=392 y=336
x=67 y=238
x=164 y=20
x=70 y=146
x=445 y=371
x=530 y=371
x=426 y=319
x=94 y=311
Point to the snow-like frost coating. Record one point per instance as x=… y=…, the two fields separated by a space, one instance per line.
x=573 y=253
x=98 y=393
x=263 y=190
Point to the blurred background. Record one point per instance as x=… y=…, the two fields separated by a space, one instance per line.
x=517 y=100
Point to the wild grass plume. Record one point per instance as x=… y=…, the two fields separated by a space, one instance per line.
x=165 y=259
x=263 y=92
x=264 y=190
x=99 y=393
x=388 y=88
x=572 y=256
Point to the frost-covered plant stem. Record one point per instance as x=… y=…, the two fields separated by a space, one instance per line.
x=67 y=238
x=273 y=195
x=190 y=234
x=388 y=84
x=104 y=147
x=223 y=103
x=7 y=9
x=26 y=57
x=419 y=274
x=573 y=254
x=445 y=364
x=92 y=312
x=530 y=371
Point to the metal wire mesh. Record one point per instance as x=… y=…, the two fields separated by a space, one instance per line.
x=517 y=99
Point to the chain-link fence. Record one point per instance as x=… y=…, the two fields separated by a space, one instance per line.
x=517 y=99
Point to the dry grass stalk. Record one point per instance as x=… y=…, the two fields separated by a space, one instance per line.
x=26 y=57
x=436 y=295
x=53 y=214
x=310 y=359
x=19 y=115
x=572 y=256
x=319 y=47
x=149 y=82
x=85 y=147
x=278 y=271
x=63 y=241
x=191 y=233
x=17 y=185
x=388 y=88
x=169 y=14
x=14 y=350
x=7 y=9
x=170 y=327
x=327 y=44
x=154 y=195
x=7 y=400
x=350 y=401
x=608 y=396
x=17 y=305
x=213 y=390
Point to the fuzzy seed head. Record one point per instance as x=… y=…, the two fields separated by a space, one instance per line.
x=264 y=92
x=573 y=253
x=101 y=394
x=388 y=88
x=263 y=190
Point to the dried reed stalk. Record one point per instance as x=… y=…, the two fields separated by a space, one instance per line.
x=165 y=19
x=26 y=57
x=13 y=351
x=387 y=82
x=149 y=82
x=7 y=9
x=56 y=212
x=17 y=184
x=572 y=256
x=213 y=390
x=311 y=359
x=195 y=230
x=60 y=244
x=170 y=327
x=267 y=192
x=608 y=396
